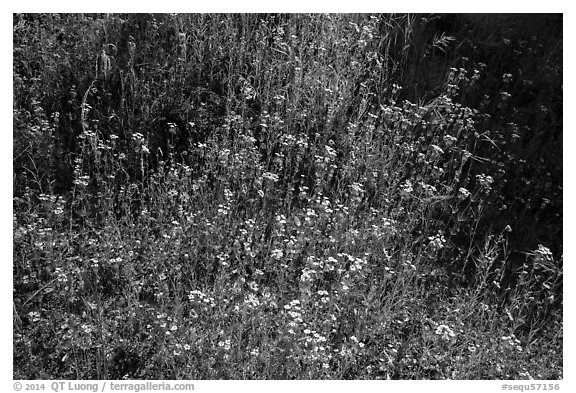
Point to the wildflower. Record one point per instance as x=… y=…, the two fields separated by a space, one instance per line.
x=445 y=332
x=463 y=193
x=406 y=187
x=543 y=254
x=307 y=275
x=437 y=242
x=485 y=181
x=34 y=316
x=270 y=176
x=476 y=75
x=507 y=78
x=82 y=181
x=253 y=286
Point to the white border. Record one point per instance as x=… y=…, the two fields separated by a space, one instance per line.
x=491 y=6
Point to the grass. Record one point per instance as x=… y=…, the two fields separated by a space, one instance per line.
x=287 y=197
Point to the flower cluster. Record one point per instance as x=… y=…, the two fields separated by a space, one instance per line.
x=200 y=302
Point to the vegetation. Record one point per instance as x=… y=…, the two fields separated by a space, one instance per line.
x=287 y=196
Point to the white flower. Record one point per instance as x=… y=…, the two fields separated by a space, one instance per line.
x=270 y=176
x=463 y=193
x=445 y=332
x=437 y=242
x=484 y=180
x=406 y=187
x=34 y=316
x=543 y=254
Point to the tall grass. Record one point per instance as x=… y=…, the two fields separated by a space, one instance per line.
x=283 y=196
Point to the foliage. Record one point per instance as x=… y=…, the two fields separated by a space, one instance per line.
x=287 y=196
